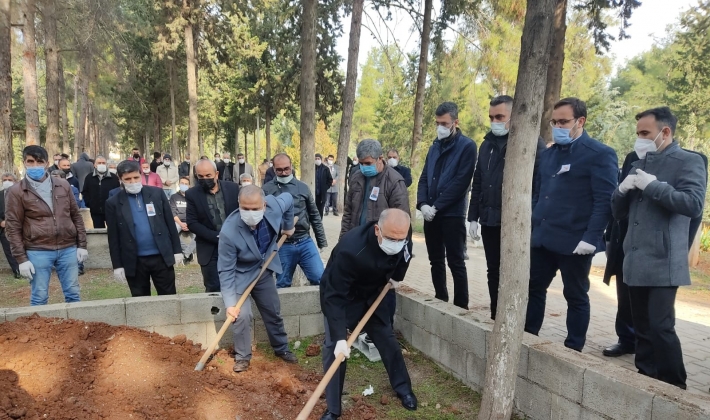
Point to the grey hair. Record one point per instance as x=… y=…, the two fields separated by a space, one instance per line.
x=227 y=153
x=243 y=177
x=10 y=174
x=58 y=172
x=111 y=162
x=250 y=190
x=99 y=157
x=214 y=165
x=390 y=212
x=369 y=148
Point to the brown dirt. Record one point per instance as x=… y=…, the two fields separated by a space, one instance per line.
x=313 y=350
x=66 y=369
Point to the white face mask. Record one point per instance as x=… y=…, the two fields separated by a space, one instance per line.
x=643 y=146
x=166 y=163
x=146 y=171
x=318 y=162
x=7 y=184
x=330 y=161
x=391 y=247
x=251 y=217
x=101 y=169
x=133 y=188
x=245 y=183
x=56 y=163
x=241 y=161
x=225 y=160
x=498 y=128
x=392 y=162
x=270 y=164
x=112 y=170
x=443 y=132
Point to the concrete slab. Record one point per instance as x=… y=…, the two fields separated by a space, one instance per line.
x=195 y=332
x=201 y=307
x=678 y=407
x=426 y=342
x=563 y=409
x=469 y=335
x=475 y=371
x=291 y=324
x=152 y=311
x=404 y=327
x=310 y=325
x=296 y=301
x=453 y=358
x=532 y=399
x=57 y=310
x=559 y=369
x=437 y=320
x=614 y=398
x=110 y=311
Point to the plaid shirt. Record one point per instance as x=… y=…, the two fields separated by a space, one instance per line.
x=263 y=235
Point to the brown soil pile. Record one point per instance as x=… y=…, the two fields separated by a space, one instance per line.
x=65 y=369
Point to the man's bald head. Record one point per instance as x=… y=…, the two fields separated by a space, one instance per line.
x=394 y=224
x=251 y=197
x=205 y=169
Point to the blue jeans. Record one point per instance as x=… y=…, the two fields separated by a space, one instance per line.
x=67 y=266
x=303 y=253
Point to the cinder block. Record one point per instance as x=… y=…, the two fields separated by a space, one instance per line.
x=57 y=310
x=532 y=399
x=469 y=335
x=398 y=309
x=437 y=321
x=523 y=361
x=97 y=244
x=680 y=405
x=211 y=330
x=559 y=370
x=426 y=342
x=453 y=358
x=2 y=314
x=475 y=371
x=112 y=311
x=413 y=310
x=202 y=307
x=404 y=326
x=311 y=325
x=195 y=332
x=299 y=301
x=152 y=311
x=563 y=409
x=291 y=324
x=618 y=400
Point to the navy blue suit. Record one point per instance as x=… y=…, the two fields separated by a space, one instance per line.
x=571 y=203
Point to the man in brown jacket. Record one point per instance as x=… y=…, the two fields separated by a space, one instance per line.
x=45 y=229
x=373 y=188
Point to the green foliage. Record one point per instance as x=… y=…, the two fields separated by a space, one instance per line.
x=705 y=239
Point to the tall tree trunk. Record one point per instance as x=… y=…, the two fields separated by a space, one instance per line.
x=75 y=114
x=236 y=139
x=246 y=144
x=349 y=95
x=193 y=137
x=29 y=73
x=171 y=79
x=504 y=349
x=157 y=146
x=52 y=63
x=80 y=129
x=63 y=109
x=554 y=69
x=308 y=92
x=421 y=84
x=6 y=153
x=267 y=129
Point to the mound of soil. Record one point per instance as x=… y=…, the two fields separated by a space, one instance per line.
x=65 y=369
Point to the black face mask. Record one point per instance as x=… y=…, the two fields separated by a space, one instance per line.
x=66 y=171
x=206 y=184
x=136 y=156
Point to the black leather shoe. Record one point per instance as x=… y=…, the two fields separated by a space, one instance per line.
x=409 y=402
x=617 y=350
x=329 y=416
x=288 y=357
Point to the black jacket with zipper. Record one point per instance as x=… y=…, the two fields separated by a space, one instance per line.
x=487 y=189
x=96 y=190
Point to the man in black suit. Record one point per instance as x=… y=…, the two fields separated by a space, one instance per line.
x=184 y=168
x=324 y=180
x=142 y=238
x=208 y=205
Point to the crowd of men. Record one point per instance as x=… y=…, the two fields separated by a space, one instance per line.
x=645 y=216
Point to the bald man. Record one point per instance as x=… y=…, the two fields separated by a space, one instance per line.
x=208 y=205
x=365 y=259
x=248 y=237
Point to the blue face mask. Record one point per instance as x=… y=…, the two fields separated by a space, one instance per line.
x=561 y=136
x=368 y=170
x=36 y=172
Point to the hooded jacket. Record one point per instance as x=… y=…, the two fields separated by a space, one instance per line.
x=81 y=168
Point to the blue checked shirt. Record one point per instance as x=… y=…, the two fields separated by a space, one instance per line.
x=263 y=235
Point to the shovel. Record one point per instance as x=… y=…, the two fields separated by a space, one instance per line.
x=303 y=415
x=245 y=295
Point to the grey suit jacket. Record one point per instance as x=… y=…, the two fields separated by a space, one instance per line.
x=239 y=259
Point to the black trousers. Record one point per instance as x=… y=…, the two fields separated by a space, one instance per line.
x=445 y=238
x=99 y=220
x=491 y=246
x=624 y=324
x=379 y=329
x=152 y=266
x=658 y=352
x=320 y=203
x=575 y=279
x=8 y=252
x=210 y=275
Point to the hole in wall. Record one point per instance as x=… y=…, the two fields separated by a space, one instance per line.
x=215 y=310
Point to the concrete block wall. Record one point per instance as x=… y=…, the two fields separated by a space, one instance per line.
x=553 y=382
x=198 y=316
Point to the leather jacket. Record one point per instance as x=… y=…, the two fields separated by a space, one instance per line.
x=31 y=225
x=304 y=206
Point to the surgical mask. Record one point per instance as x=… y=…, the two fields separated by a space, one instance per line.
x=498 y=128
x=251 y=217
x=206 y=184
x=56 y=163
x=392 y=162
x=133 y=188
x=245 y=183
x=442 y=132
x=216 y=159
x=391 y=247
x=270 y=164
x=643 y=146
x=241 y=161
x=112 y=170
x=330 y=161
x=36 y=173
x=166 y=162
x=146 y=171
x=184 y=187
x=561 y=136
x=368 y=170
x=7 y=184
x=318 y=162
x=355 y=162
x=284 y=179
x=101 y=169
x=227 y=160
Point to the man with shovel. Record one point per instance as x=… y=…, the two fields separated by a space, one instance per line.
x=248 y=236
x=381 y=252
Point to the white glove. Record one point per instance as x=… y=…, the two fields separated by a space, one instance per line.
x=643 y=179
x=82 y=255
x=119 y=274
x=473 y=231
x=179 y=259
x=342 y=347
x=395 y=284
x=584 y=248
x=428 y=212
x=628 y=184
x=27 y=269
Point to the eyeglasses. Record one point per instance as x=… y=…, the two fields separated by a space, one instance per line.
x=282 y=170
x=554 y=123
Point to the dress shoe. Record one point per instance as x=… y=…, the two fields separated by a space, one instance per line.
x=288 y=357
x=617 y=350
x=81 y=270
x=335 y=213
x=409 y=402
x=329 y=416
x=17 y=274
x=241 y=366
